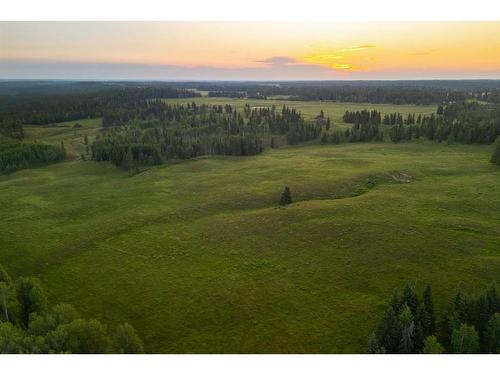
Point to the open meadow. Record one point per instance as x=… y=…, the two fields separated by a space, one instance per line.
x=198 y=256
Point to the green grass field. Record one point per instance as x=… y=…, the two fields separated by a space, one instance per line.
x=199 y=258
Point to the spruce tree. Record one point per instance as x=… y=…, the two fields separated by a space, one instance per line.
x=286 y=197
x=429 y=310
x=389 y=331
x=432 y=346
x=492 y=334
x=410 y=298
x=31 y=298
x=407 y=341
x=465 y=340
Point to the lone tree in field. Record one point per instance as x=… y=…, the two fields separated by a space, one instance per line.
x=286 y=197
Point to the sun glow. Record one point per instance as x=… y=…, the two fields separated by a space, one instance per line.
x=254 y=50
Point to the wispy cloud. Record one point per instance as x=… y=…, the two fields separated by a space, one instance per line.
x=342 y=66
x=278 y=60
x=357 y=48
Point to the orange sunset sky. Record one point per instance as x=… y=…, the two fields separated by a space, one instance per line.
x=249 y=50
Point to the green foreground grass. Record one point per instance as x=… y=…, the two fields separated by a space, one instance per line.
x=199 y=258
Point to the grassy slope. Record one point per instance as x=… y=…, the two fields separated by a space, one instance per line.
x=198 y=258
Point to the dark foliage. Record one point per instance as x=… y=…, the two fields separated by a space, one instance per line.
x=16 y=155
x=151 y=132
x=460 y=122
x=51 y=106
x=471 y=325
x=286 y=197
x=28 y=325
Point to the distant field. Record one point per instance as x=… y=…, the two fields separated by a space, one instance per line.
x=199 y=258
x=334 y=110
x=64 y=131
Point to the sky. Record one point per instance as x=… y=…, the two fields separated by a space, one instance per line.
x=249 y=50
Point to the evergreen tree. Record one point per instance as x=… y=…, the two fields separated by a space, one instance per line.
x=465 y=340
x=286 y=197
x=432 y=346
x=389 y=331
x=421 y=327
x=31 y=298
x=429 y=310
x=407 y=341
x=492 y=335
x=410 y=298
x=396 y=301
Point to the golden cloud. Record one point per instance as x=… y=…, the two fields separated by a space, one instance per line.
x=334 y=59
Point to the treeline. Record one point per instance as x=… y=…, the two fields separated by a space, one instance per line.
x=390 y=92
x=362 y=117
x=380 y=95
x=153 y=131
x=15 y=155
x=365 y=129
x=46 y=109
x=227 y=94
x=409 y=325
x=29 y=325
x=459 y=122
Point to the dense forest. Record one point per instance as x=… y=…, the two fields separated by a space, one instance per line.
x=15 y=155
x=29 y=325
x=409 y=325
x=52 y=108
x=150 y=132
